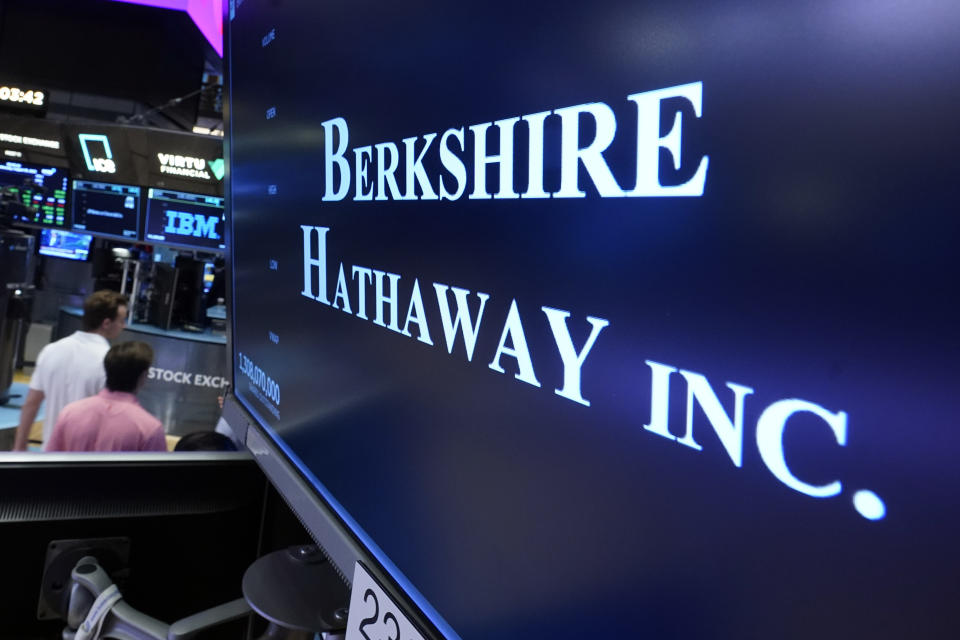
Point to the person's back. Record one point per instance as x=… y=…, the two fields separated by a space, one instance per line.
x=68 y=370
x=108 y=421
x=113 y=419
x=72 y=368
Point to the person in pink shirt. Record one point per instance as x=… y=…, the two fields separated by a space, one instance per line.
x=112 y=420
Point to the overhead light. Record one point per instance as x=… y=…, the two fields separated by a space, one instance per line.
x=207 y=132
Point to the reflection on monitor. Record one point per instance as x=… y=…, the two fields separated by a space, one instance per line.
x=106 y=209
x=65 y=244
x=40 y=192
x=184 y=219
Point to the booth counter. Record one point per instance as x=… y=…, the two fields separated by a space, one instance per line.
x=188 y=374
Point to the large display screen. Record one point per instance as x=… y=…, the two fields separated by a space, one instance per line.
x=57 y=243
x=106 y=209
x=40 y=191
x=185 y=219
x=621 y=319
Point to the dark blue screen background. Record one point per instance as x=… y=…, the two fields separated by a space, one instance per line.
x=820 y=263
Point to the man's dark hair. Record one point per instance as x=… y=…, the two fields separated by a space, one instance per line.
x=205 y=441
x=101 y=305
x=125 y=363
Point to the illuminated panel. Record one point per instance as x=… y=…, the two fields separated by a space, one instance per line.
x=42 y=192
x=609 y=320
x=184 y=219
x=208 y=277
x=65 y=244
x=106 y=209
x=23 y=97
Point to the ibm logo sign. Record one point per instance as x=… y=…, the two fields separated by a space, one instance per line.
x=182 y=223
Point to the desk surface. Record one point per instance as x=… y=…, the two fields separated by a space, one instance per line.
x=177 y=334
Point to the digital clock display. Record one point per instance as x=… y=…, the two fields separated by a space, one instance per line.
x=29 y=98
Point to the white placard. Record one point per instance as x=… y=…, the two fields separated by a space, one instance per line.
x=373 y=614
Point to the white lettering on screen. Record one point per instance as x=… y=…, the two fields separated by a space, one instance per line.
x=461 y=320
x=464 y=318
x=385 y=164
x=383 y=171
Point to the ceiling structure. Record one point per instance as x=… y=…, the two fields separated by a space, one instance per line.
x=117 y=61
x=206 y=14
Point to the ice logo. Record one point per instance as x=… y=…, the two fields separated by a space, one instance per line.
x=102 y=163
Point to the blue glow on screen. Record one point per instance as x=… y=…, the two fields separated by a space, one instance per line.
x=661 y=332
x=869 y=505
x=65 y=244
x=352 y=524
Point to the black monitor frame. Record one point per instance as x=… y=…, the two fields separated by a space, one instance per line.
x=193 y=522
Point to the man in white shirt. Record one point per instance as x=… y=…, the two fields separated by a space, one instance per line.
x=71 y=368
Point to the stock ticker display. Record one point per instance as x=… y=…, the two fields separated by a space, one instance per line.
x=618 y=319
x=35 y=194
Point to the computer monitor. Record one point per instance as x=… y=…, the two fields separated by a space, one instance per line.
x=57 y=243
x=622 y=319
x=187 y=220
x=175 y=531
x=105 y=209
x=39 y=191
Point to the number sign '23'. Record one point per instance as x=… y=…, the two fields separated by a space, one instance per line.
x=373 y=614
